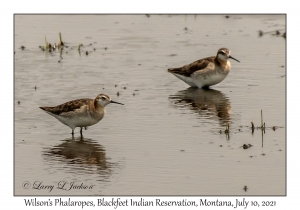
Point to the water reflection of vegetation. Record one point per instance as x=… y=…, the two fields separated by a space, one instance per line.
x=80 y=155
x=207 y=103
x=48 y=47
x=274 y=33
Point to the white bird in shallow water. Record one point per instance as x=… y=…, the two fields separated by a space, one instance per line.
x=205 y=72
x=81 y=112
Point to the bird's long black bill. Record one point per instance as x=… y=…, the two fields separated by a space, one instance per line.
x=116 y=102
x=234 y=59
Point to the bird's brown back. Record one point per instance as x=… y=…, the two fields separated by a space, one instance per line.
x=189 y=69
x=68 y=106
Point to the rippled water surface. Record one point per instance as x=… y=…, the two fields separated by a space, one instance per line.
x=168 y=139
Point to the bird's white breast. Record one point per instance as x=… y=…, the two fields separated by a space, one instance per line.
x=79 y=119
x=203 y=80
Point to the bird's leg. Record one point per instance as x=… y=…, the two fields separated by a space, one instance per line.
x=205 y=87
x=81 y=131
x=72 y=132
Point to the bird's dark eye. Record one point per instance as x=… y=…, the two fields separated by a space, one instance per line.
x=223 y=53
x=103 y=98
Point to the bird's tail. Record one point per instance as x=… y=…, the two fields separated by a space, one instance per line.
x=174 y=70
x=47 y=109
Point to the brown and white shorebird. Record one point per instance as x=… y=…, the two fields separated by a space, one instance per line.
x=81 y=112
x=207 y=71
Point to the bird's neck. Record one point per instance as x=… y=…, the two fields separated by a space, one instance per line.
x=97 y=107
x=221 y=62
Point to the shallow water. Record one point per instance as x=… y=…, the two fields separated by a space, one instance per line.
x=168 y=139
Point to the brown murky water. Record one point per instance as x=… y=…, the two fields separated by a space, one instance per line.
x=166 y=140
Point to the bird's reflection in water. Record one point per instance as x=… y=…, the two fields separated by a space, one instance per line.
x=208 y=103
x=80 y=155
